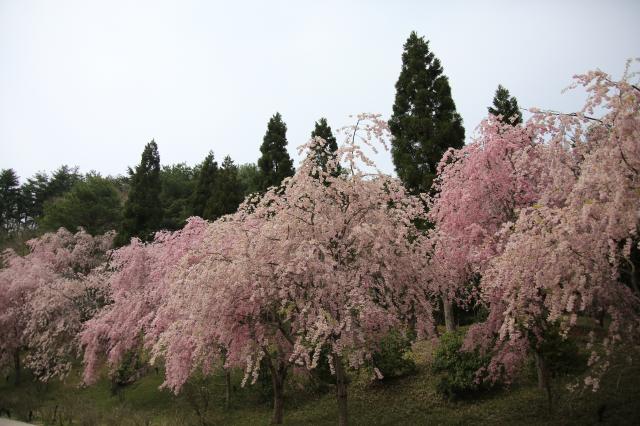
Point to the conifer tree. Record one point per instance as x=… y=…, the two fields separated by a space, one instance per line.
x=142 y=210
x=9 y=200
x=275 y=164
x=205 y=186
x=178 y=184
x=92 y=203
x=323 y=130
x=33 y=194
x=424 y=123
x=506 y=107
x=249 y=176
x=228 y=192
x=62 y=180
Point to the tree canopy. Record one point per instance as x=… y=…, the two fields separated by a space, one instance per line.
x=424 y=123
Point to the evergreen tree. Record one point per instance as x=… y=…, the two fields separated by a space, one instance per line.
x=178 y=184
x=506 y=107
x=93 y=204
x=62 y=180
x=323 y=130
x=227 y=194
x=424 y=123
x=275 y=164
x=9 y=200
x=249 y=177
x=205 y=186
x=142 y=210
x=33 y=196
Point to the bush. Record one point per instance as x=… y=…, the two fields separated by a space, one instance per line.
x=131 y=369
x=456 y=369
x=562 y=356
x=392 y=356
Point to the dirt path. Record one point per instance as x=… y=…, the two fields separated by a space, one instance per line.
x=9 y=422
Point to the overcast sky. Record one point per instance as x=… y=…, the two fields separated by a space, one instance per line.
x=89 y=83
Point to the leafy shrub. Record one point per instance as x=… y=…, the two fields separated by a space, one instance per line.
x=132 y=368
x=456 y=369
x=562 y=356
x=391 y=357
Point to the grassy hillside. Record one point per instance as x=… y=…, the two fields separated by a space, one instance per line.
x=409 y=400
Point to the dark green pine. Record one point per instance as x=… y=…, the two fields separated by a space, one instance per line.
x=228 y=192
x=9 y=200
x=424 y=123
x=274 y=164
x=323 y=130
x=142 y=210
x=205 y=186
x=505 y=107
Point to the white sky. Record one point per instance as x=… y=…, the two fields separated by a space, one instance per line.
x=89 y=83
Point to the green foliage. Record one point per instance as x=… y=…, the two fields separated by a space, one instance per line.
x=202 y=396
x=132 y=368
x=205 y=186
x=9 y=200
x=249 y=177
x=456 y=370
x=424 y=123
x=506 y=106
x=93 y=204
x=178 y=183
x=562 y=355
x=274 y=164
x=62 y=180
x=409 y=401
x=227 y=193
x=392 y=356
x=142 y=210
x=264 y=385
x=322 y=372
x=34 y=193
x=323 y=130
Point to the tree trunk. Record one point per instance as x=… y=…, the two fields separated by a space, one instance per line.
x=601 y=317
x=278 y=376
x=16 y=360
x=341 y=392
x=449 y=320
x=634 y=278
x=278 y=401
x=227 y=392
x=544 y=382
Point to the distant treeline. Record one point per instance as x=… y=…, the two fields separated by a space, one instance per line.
x=149 y=198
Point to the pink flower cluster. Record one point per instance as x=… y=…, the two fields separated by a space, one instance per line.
x=545 y=215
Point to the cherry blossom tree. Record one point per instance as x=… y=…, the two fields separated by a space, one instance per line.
x=137 y=285
x=326 y=260
x=568 y=245
x=478 y=189
x=46 y=295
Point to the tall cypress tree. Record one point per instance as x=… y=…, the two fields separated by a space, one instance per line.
x=424 y=123
x=205 y=186
x=323 y=130
x=9 y=200
x=228 y=191
x=506 y=107
x=275 y=164
x=142 y=210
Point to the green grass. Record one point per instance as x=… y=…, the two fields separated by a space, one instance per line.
x=410 y=400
